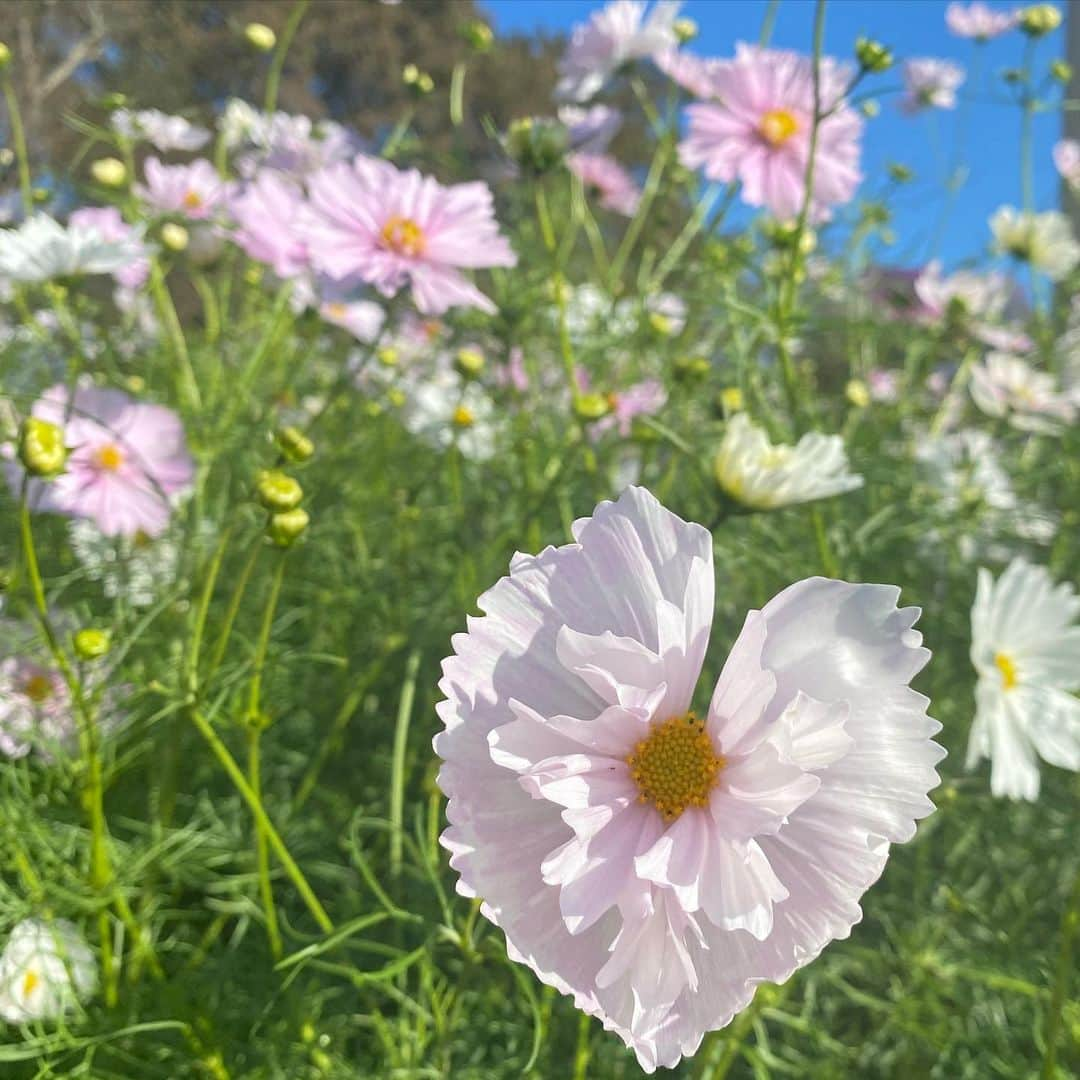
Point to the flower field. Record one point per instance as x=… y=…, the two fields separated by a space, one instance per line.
x=534 y=587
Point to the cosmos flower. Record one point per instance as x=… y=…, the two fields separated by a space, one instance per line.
x=1067 y=160
x=46 y=970
x=1045 y=240
x=589 y=130
x=978 y=21
x=642 y=399
x=979 y=301
x=615 y=35
x=268 y=213
x=884 y=385
x=1007 y=386
x=1025 y=646
x=930 y=84
x=127 y=461
x=35 y=708
x=165 y=132
x=41 y=249
x=602 y=174
x=759 y=132
x=695 y=74
x=391 y=228
x=655 y=861
x=446 y=410
x=194 y=190
x=758 y=474
x=107 y=222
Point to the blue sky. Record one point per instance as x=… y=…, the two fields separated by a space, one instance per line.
x=927 y=222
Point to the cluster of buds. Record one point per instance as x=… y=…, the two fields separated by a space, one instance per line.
x=1039 y=20
x=419 y=82
x=873 y=57
x=281 y=494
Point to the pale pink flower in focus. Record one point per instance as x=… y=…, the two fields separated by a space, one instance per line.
x=653 y=862
x=107 y=222
x=392 y=228
x=1067 y=160
x=194 y=190
x=759 y=132
x=126 y=463
x=695 y=74
x=1006 y=386
x=614 y=36
x=930 y=83
x=268 y=214
x=613 y=185
x=978 y=21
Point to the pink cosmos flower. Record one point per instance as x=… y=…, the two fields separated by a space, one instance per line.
x=1067 y=160
x=642 y=399
x=602 y=174
x=930 y=83
x=759 y=132
x=392 y=228
x=978 y=21
x=268 y=213
x=695 y=74
x=126 y=461
x=110 y=226
x=194 y=190
x=590 y=129
x=35 y=707
x=656 y=862
x=615 y=35
x=884 y=385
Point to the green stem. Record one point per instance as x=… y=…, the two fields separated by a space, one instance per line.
x=397 y=769
x=664 y=149
x=1070 y=923
x=18 y=137
x=231 y=612
x=273 y=78
x=189 y=386
x=457 y=94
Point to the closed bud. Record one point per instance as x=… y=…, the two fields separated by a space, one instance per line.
x=536 y=144
x=731 y=400
x=260 y=36
x=387 y=355
x=5 y=56
x=1061 y=71
x=278 y=491
x=870 y=109
x=592 y=406
x=91 y=644
x=1039 y=19
x=419 y=82
x=109 y=172
x=173 y=236
x=41 y=448
x=857 y=393
x=294 y=444
x=685 y=30
x=899 y=173
x=478 y=35
x=286 y=528
x=872 y=55
x=470 y=362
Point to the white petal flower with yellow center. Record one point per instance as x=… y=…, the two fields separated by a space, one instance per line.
x=1045 y=240
x=1025 y=645
x=45 y=970
x=1008 y=386
x=764 y=476
x=654 y=861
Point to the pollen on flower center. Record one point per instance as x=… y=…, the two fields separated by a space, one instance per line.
x=1007 y=667
x=676 y=766
x=109 y=457
x=463 y=417
x=192 y=200
x=403 y=235
x=30 y=981
x=37 y=688
x=777 y=126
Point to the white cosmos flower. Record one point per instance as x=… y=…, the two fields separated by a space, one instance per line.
x=758 y=474
x=1025 y=645
x=1044 y=240
x=41 y=249
x=445 y=409
x=46 y=968
x=655 y=862
x=1006 y=386
x=162 y=130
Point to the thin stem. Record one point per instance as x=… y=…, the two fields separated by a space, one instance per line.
x=664 y=149
x=18 y=137
x=1070 y=923
x=189 y=386
x=273 y=78
x=457 y=94
x=397 y=769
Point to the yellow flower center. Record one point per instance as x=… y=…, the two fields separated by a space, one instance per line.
x=336 y=310
x=109 y=457
x=1007 y=666
x=463 y=417
x=404 y=236
x=30 y=981
x=37 y=688
x=676 y=766
x=777 y=126
x=192 y=200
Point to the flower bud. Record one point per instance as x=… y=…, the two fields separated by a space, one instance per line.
x=91 y=644
x=7 y=156
x=872 y=55
x=294 y=444
x=899 y=173
x=387 y=355
x=260 y=36
x=1039 y=19
x=536 y=144
x=592 y=406
x=5 y=56
x=109 y=172
x=41 y=448
x=731 y=400
x=1061 y=71
x=278 y=491
x=857 y=393
x=685 y=30
x=419 y=82
x=173 y=236
x=870 y=109
x=691 y=368
x=469 y=362
x=478 y=35
x=286 y=528
x=40 y=195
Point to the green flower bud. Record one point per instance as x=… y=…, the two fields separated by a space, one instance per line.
x=731 y=400
x=901 y=174
x=286 y=528
x=260 y=37
x=478 y=35
x=872 y=55
x=5 y=56
x=278 y=491
x=41 y=448
x=294 y=444
x=691 y=368
x=387 y=355
x=1061 y=71
x=109 y=172
x=1039 y=20
x=685 y=30
x=592 y=406
x=857 y=393
x=419 y=82
x=470 y=362
x=91 y=644
x=536 y=144
x=870 y=109
x=174 y=237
